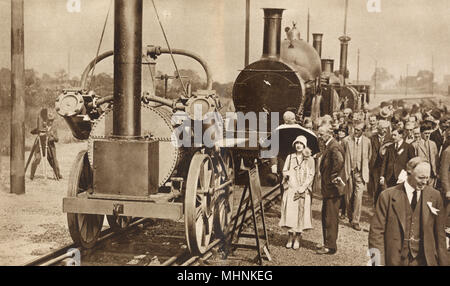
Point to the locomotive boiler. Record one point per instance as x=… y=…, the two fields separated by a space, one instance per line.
x=136 y=164
x=287 y=74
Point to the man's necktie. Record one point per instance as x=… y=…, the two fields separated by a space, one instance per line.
x=414 y=200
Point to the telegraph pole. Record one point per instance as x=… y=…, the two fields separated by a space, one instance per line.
x=406 y=80
x=432 y=74
x=345 y=19
x=247 y=31
x=307 y=26
x=17 y=159
x=357 y=70
x=375 y=87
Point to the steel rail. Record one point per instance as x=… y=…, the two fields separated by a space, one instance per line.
x=208 y=253
x=62 y=253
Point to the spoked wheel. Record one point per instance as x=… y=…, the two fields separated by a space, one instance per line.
x=83 y=228
x=119 y=223
x=198 y=212
x=224 y=201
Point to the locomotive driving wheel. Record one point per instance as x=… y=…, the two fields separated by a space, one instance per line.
x=225 y=197
x=199 y=212
x=83 y=228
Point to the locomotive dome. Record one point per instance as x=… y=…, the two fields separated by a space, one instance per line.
x=302 y=57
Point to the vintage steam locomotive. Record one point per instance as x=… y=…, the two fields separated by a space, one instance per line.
x=134 y=167
x=291 y=73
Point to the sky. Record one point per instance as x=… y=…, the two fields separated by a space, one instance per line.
x=405 y=32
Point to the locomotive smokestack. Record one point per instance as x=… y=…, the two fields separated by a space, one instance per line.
x=327 y=65
x=317 y=43
x=127 y=68
x=272 y=33
x=344 y=53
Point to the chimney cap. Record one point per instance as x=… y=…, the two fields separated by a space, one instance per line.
x=345 y=38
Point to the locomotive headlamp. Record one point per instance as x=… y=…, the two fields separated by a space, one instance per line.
x=69 y=103
x=201 y=103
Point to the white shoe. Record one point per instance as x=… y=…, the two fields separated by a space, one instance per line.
x=289 y=243
x=296 y=244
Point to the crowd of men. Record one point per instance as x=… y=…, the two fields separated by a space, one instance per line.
x=396 y=148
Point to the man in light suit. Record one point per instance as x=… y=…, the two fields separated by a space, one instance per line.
x=358 y=152
x=407 y=228
x=332 y=172
x=395 y=159
x=427 y=149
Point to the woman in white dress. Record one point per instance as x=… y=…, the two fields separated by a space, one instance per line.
x=298 y=174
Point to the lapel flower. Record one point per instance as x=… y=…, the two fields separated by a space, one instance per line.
x=432 y=209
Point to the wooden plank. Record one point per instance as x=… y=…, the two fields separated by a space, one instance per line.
x=173 y=211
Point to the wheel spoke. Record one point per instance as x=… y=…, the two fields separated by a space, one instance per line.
x=84 y=228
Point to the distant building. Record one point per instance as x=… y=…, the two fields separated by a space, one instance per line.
x=447 y=80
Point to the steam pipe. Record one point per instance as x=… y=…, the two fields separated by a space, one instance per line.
x=209 y=79
x=153 y=51
x=90 y=66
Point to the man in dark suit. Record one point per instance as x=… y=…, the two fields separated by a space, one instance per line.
x=438 y=135
x=395 y=159
x=377 y=140
x=445 y=176
x=332 y=172
x=408 y=226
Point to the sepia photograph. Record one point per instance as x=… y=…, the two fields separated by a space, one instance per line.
x=220 y=133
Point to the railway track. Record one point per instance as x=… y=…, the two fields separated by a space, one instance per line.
x=102 y=254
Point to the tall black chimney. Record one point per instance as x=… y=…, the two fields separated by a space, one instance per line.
x=317 y=43
x=272 y=33
x=344 y=54
x=127 y=68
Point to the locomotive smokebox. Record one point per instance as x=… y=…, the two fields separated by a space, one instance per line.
x=317 y=43
x=127 y=68
x=272 y=33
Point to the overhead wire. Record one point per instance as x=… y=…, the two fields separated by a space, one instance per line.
x=100 y=44
x=170 y=50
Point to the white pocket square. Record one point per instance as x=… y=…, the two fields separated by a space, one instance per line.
x=432 y=209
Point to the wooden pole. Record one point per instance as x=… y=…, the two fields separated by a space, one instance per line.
x=345 y=18
x=406 y=80
x=247 y=32
x=17 y=159
x=357 y=70
x=375 y=88
x=307 y=26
